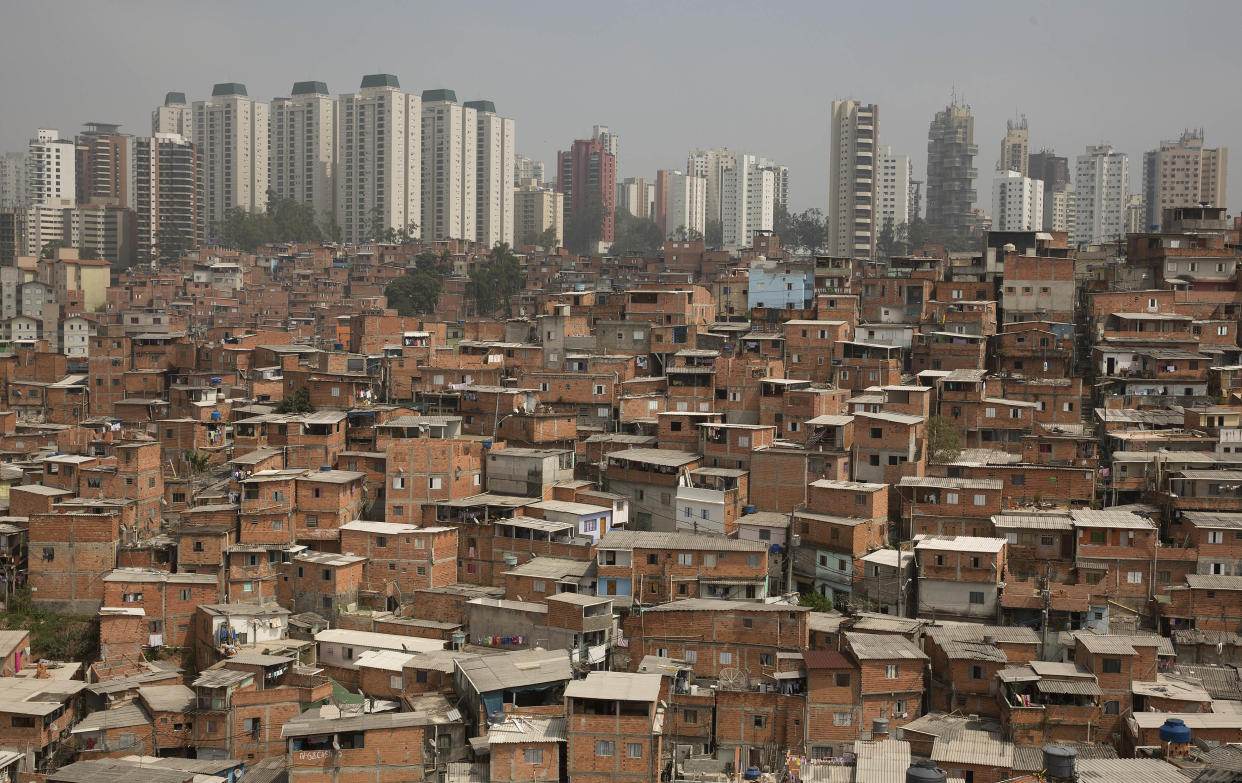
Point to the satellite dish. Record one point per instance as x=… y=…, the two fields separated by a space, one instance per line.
x=733 y=680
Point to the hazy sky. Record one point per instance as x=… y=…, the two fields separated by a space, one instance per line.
x=667 y=76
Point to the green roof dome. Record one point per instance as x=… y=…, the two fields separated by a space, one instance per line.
x=380 y=80
x=481 y=106
x=310 y=88
x=440 y=95
x=174 y=99
x=229 y=88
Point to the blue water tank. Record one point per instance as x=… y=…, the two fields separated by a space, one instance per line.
x=487 y=444
x=217 y=381
x=338 y=346
x=775 y=549
x=325 y=468
x=748 y=509
x=1175 y=730
x=215 y=415
x=752 y=773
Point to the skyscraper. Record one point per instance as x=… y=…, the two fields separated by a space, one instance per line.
x=892 y=188
x=527 y=168
x=231 y=134
x=1017 y=202
x=51 y=169
x=1183 y=173
x=494 y=171
x=637 y=196
x=1102 y=183
x=685 y=205
x=166 y=196
x=303 y=146
x=610 y=141
x=851 y=182
x=1015 y=148
x=713 y=166
x=1049 y=167
x=1060 y=207
x=780 y=181
x=173 y=117
x=103 y=167
x=13 y=180
x=450 y=158
x=748 y=198
x=587 y=176
x=378 y=159
x=951 y=171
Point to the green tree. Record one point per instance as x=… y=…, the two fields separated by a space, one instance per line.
x=917 y=234
x=942 y=440
x=298 y=402
x=783 y=226
x=49 y=248
x=582 y=229
x=635 y=235
x=416 y=291
x=810 y=228
x=886 y=240
x=546 y=238
x=713 y=233
x=495 y=282
x=816 y=601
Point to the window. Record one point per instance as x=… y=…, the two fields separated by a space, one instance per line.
x=690 y=716
x=23 y=722
x=1098 y=536
x=605 y=748
x=1111 y=708
x=1134 y=577
x=877 y=433
x=398 y=482
x=976 y=672
x=435 y=482
x=347 y=653
x=690 y=656
x=726 y=659
x=1216 y=537
x=752 y=561
x=976 y=597
x=634 y=750
x=327 y=575
x=981 y=500
x=842 y=679
x=758 y=721
x=767 y=659
x=685 y=558
x=951 y=498
x=1017 y=479
x=989 y=413
x=534 y=755
x=1112 y=666
x=890 y=671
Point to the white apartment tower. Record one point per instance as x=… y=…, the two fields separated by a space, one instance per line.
x=1060 y=206
x=1017 y=202
x=1102 y=184
x=610 y=141
x=852 y=180
x=892 y=188
x=748 y=199
x=166 y=196
x=525 y=168
x=378 y=159
x=714 y=167
x=175 y=116
x=450 y=159
x=1183 y=173
x=494 y=166
x=51 y=166
x=780 y=180
x=231 y=135
x=303 y=146
x=1015 y=153
x=685 y=204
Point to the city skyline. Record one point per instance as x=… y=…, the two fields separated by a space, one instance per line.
x=659 y=127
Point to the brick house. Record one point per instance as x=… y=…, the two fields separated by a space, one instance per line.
x=833 y=701
x=651 y=568
x=959 y=576
x=615 y=723
x=526 y=749
x=891 y=677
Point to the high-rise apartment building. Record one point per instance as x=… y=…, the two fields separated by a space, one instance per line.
x=685 y=205
x=780 y=181
x=13 y=180
x=231 y=134
x=1060 y=207
x=852 y=179
x=1015 y=149
x=302 y=146
x=103 y=166
x=166 y=196
x=495 y=137
x=610 y=141
x=525 y=168
x=1049 y=167
x=892 y=188
x=1183 y=173
x=1102 y=185
x=175 y=116
x=637 y=196
x=536 y=209
x=51 y=167
x=713 y=166
x=450 y=158
x=951 y=171
x=748 y=199
x=378 y=159
x=586 y=174
x=1136 y=213
x=1017 y=202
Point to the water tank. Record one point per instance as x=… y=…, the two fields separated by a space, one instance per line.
x=1175 y=730
x=925 y=772
x=325 y=468
x=879 y=726
x=751 y=773
x=215 y=415
x=1059 y=762
x=748 y=509
x=338 y=346
x=487 y=444
x=510 y=560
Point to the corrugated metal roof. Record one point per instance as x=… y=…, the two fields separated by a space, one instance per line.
x=1072 y=687
x=883 y=647
x=1213 y=519
x=885 y=761
x=1112 y=770
x=959 y=543
x=970 y=746
x=1030 y=758
x=1110 y=517
x=1214 y=582
x=725 y=607
x=525 y=730
x=1033 y=521
x=976 y=632
x=622 y=686
x=951 y=483
x=648 y=539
